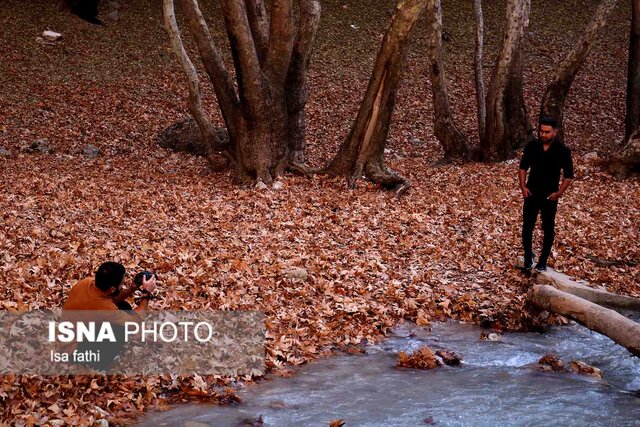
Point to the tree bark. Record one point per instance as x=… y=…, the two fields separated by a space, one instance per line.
x=620 y=329
x=519 y=130
x=477 y=67
x=453 y=141
x=362 y=152
x=265 y=116
x=296 y=90
x=496 y=145
x=632 y=119
x=557 y=91
x=597 y=296
x=626 y=162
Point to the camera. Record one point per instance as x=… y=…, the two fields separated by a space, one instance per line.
x=137 y=279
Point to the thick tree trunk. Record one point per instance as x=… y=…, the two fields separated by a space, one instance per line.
x=620 y=329
x=362 y=151
x=632 y=119
x=519 y=130
x=453 y=142
x=265 y=116
x=496 y=145
x=557 y=91
x=477 y=68
x=296 y=84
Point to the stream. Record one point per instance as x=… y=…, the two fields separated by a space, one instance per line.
x=495 y=385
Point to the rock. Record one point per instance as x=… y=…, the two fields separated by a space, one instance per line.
x=185 y=136
x=490 y=336
x=552 y=361
x=261 y=185
x=113 y=16
x=51 y=36
x=278 y=185
x=584 y=369
x=114 y=5
x=91 y=151
x=591 y=156
x=297 y=273
x=449 y=358
x=39 y=146
x=4 y=153
x=101 y=423
x=415 y=141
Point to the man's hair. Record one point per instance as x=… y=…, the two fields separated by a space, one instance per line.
x=109 y=274
x=548 y=121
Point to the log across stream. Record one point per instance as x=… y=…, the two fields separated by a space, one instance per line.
x=496 y=385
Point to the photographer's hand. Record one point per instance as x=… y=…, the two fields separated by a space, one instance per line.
x=149 y=285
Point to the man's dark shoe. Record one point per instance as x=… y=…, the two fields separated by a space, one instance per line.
x=541 y=267
x=528 y=262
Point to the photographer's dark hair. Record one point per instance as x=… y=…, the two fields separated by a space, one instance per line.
x=548 y=121
x=109 y=274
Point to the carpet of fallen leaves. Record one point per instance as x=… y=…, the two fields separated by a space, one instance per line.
x=446 y=250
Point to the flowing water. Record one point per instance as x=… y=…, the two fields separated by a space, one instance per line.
x=496 y=385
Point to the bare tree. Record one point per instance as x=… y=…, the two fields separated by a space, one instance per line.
x=362 y=152
x=557 y=91
x=453 y=141
x=497 y=144
x=477 y=67
x=632 y=119
x=264 y=117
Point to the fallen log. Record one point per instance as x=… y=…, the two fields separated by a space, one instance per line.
x=600 y=297
x=608 y=322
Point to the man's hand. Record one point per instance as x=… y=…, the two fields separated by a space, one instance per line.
x=554 y=196
x=148 y=285
x=526 y=192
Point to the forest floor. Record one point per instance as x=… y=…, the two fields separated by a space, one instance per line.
x=445 y=250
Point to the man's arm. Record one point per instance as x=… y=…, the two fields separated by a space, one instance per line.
x=523 y=177
x=567 y=176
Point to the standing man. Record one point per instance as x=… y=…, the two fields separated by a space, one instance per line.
x=545 y=157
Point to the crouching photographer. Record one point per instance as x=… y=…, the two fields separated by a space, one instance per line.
x=106 y=292
x=103 y=298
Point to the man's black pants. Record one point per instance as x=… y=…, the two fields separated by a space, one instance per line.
x=547 y=208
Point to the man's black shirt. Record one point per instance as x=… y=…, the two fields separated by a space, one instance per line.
x=545 y=166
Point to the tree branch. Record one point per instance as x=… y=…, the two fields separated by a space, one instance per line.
x=281 y=41
x=195 y=100
x=248 y=71
x=214 y=65
x=259 y=23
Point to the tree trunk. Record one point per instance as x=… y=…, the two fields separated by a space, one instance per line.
x=519 y=130
x=597 y=296
x=557 y=91
x=296 y=84
x=477 y=67
x=626 y=163
x=265 y=115
x=363 y=150
x=453 y=142
x=620 y=329
x=632 y=119
x=496 y=145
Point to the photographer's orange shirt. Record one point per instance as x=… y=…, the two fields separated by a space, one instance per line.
x=85 y=295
